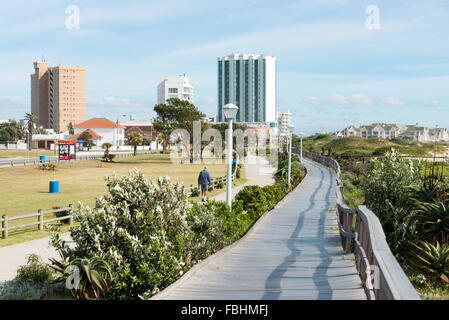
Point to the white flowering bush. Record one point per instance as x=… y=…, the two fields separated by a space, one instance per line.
x=146 y=231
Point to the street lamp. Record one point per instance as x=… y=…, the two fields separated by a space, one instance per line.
x=229 y=111
x=290 y=129
x=301 y=134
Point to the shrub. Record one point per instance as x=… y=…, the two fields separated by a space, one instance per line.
x=26 y=290
x=255 y=201
x=386 y=194
x=141 y=230
x=34 y=271
x=48 y=166
x=60 y=214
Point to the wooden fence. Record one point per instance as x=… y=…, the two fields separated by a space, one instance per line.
x=217 y=181
x=380 y=271
x=40 y=214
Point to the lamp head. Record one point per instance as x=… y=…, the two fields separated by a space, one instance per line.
x=291 y=127
x=230 y=111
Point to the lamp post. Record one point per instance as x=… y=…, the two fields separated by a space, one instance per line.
x=290 y=128
x=301 y=134
x=229 y=111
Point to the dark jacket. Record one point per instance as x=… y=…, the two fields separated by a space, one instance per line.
x=204 y=177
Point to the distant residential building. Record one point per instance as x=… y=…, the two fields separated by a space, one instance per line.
x=58 y=95
x=174 y=87
x=107 y=131
x=439 y=134
x=143 y=127
x=284 y=120
x=248 y=81
x=390 y=131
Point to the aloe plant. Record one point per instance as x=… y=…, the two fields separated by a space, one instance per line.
x=432 y=221
x=431 y=260
x=95 y=277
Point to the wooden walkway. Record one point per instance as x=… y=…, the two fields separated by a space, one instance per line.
x=293 y=252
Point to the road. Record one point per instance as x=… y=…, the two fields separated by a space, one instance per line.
x=293 y=252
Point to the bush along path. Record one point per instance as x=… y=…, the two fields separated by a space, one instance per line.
x=140 y=200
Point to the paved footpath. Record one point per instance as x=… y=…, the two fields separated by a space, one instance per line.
x=13 y=256
x=292 y=252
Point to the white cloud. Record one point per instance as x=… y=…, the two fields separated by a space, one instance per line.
x=392 y=101
x=362 y=100
x=310 y=101
x=337 y=99
x=357 y=100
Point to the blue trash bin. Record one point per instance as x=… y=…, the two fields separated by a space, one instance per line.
x=42 y=159
x=54 y=186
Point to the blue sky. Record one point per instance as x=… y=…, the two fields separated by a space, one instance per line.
x=332 y=70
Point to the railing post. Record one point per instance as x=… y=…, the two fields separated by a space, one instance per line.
x=5 y=226
x=71 y=214
x=40 y=219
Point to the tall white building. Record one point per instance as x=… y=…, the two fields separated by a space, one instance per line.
x=248 y=81
x=174 y=87
x=284 y=119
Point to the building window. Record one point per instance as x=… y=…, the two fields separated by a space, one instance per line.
x=172 y=90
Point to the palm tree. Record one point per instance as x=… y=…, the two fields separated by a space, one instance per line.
x=134 y=139
x=31 y=118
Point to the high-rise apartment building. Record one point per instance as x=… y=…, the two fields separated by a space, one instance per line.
x=284 y=120
x=174 y=87
x=58 y=95
x=248 y=81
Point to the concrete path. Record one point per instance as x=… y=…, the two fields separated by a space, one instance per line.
x=258 y=172
x=292 y=252
x=13 y=256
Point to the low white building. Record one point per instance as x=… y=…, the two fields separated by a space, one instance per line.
x=107 y=131
x=174 y=87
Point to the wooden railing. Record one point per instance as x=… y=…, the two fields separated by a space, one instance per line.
x=381 y=273
x=40 y=214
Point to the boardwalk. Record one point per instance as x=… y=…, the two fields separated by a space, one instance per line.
x=293 y=252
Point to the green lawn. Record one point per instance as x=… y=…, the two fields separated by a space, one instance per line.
x=24 y=190
x=25 y=153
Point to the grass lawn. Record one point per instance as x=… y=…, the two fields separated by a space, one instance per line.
x=24 y=190
x=25 y=153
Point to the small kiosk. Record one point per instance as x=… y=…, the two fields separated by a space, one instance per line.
x=67 y=149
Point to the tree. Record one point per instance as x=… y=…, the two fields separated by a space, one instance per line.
x=175 y=114
x=134 y=139
x=106 y=156
x=87 y=139
x=31 y=119
x=11 y=131
x=70 y=128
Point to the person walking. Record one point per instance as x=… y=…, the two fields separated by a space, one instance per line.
x=204 y=182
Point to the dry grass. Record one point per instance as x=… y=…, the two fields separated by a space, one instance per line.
x=24 y=190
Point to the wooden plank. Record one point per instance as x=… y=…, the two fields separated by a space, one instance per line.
x=24 y=216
